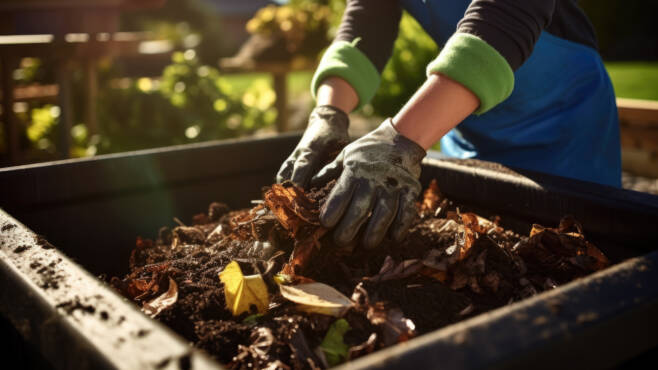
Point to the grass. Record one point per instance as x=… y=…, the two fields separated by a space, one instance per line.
x=636 y=80
x=298 y=82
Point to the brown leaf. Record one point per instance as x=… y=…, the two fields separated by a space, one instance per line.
x=302 y=253
x=536 y=229
x=492 y=281
x=292 y=207
x=188 y=235
x=562 y=252
x=163 y=301
x=431 y=200
x=300 y=216
x=568 y=224
x=459 y=280
x=436 y=260
x=364 y=348
x=441 y=276
x=391 y=270
x=245 y=225
x=391 y=323
x=594 y=252
x=476 y=223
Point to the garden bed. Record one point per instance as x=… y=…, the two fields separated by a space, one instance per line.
x=82 y=323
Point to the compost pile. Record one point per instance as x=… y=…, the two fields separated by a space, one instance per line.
x=267 y=287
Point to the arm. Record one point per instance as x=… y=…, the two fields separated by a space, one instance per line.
x=474 y=71
x=362 y=46
x=494 y=38
x=440 y=97
x=337 y=92
x=346 y=78
x=378 y=174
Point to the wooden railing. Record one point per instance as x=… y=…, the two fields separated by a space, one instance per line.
x=638 y=121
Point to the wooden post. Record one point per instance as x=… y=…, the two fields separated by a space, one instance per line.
x=281 y=103
x=10 y=124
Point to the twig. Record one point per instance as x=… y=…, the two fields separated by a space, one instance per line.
x=179 y=222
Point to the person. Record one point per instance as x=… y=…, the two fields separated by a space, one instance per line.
x=516 y=82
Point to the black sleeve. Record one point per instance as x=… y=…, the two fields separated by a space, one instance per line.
x=376 y=23
x=512 y=27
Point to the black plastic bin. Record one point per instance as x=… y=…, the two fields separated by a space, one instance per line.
x=56 y=313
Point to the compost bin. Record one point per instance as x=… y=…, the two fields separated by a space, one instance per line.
x=65 y=222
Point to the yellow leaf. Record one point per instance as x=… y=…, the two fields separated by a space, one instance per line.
x=241 y=292
x=317 y=298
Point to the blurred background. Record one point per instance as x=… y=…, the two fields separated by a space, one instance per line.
x=88 y=77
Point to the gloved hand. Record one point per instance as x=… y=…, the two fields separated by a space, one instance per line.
x=325 y=136
x=378 y=173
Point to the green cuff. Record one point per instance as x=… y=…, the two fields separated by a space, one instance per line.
x=475 y=64
x=342 y=59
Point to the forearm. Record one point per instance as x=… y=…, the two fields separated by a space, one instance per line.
x=337 y=92
x=361 y=48
x=438 y=106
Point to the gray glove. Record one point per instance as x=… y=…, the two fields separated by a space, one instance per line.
x=378 y=176
x=325 y=136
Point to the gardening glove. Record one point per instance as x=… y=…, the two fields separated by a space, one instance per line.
x=378 y=178
x=325 y=136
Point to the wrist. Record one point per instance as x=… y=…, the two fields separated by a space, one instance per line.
x=414 y=152
x=332 y=116
x=336 y=92
x=436 y=108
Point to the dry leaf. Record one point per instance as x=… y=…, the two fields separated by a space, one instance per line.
x=243 y=292
x=301 y=217
x=431 y=200
x=166 y=299
x=392 y=324
x=364 y=348
x=435 y=259
x=292 y=207
x=302 y=253
x=391 y=270
x=317 y=298
x=563 y=252
x=594 y=252
x=536 y=229
x=441 y=276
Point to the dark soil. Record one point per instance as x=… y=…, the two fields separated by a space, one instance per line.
x=75 y=304
x=460 y=269
x=45 y=244
x=50 y=278
x=21 y=248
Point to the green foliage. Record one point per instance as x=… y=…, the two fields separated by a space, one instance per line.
x=190 y=103
x=303 y=25
x=187 y=23
x=333 y=344
x=405 y=71
x=635 y=80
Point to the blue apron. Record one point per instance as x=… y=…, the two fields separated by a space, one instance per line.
x=560 y=119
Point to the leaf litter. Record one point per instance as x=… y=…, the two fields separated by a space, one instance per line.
x=266 y=288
